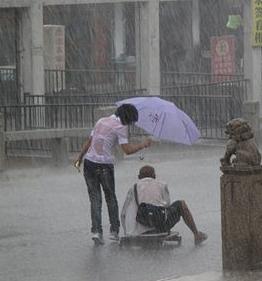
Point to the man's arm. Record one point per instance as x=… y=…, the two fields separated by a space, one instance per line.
x=166 y=195
x=127 y=202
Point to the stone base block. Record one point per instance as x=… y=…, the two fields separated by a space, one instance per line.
x=241 y=215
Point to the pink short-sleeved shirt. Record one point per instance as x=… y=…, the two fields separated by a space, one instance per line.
x=107 y=133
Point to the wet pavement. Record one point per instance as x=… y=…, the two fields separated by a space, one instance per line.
x=45 y=223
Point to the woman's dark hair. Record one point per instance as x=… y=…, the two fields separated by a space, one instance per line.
x=127 y=113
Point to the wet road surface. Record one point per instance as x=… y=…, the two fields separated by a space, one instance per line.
x=45 y=223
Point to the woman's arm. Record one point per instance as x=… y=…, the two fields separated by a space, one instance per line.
x=130 y=148
x=84 y=149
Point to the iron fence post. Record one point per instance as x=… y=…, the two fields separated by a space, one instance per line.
x=2 y=142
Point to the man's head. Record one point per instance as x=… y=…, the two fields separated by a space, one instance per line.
x=147 y=172
x=127 y=113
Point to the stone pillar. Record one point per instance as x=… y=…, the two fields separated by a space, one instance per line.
x=251 y=113
x=241 y=215
x=54 y=57
x=195 y=23
x=2 y=142
x=147 y=46
x=119 y=30
x=32 y=56
x=252 y=57
x=196 y=34
x=31 y=49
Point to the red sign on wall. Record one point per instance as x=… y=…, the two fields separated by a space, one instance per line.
x=223 y=57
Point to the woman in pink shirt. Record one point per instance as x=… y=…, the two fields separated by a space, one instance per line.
x=98 y=157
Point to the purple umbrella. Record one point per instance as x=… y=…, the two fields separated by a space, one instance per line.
x=164 y=120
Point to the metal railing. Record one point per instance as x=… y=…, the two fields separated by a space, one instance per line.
x=95 y=81
x=50 y=116
x=8 y=86
x=86 y=80
x=211 y=106
x=47 y=116
x=100 y=98
x=93 y=100
x=169 y=78
x=58 y=111
x=207 y=104
x=216 y=88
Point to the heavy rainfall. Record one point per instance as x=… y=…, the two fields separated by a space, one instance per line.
x=64 y=65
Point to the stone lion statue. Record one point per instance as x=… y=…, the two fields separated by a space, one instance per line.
x=241 y=149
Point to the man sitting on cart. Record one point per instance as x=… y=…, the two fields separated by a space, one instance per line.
x=151 y=191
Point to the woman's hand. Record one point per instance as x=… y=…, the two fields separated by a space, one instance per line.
x=77 y=164
x=147 y=142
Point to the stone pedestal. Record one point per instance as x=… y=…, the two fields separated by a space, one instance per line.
x=241 y=214
x=2 y=142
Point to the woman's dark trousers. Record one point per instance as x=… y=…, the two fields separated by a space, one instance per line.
x=96 y=176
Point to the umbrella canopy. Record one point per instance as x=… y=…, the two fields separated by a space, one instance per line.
x=163 y=119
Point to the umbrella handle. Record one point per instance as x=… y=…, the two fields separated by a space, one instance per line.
x=142 y=154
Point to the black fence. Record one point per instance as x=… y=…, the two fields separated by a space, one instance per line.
x=170 y=78
x=52 y=116
x=79 y=80
x=8 y=86
x=95 y=81
x=48 y=116
x=83 y=97
x=211 y=106
x=99 y=81
x=58 y=111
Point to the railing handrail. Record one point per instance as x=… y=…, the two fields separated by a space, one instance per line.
x=200 y=73
x=206 y=84
x=55 y=104
x=7 y=68
x=95 y=70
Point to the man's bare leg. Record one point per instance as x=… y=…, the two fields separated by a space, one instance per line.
x=189 y=221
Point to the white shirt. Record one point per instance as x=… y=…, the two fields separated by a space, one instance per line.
x=107 y=133
x=149 y=190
